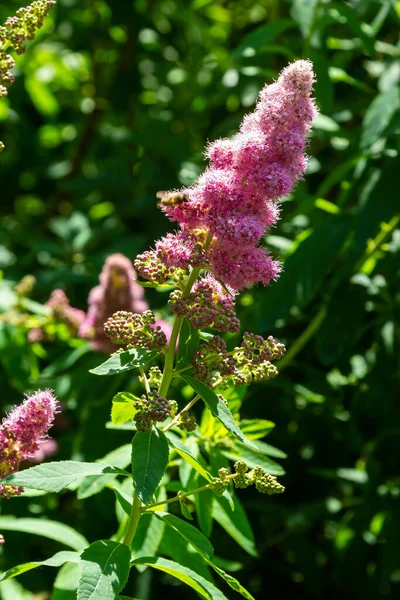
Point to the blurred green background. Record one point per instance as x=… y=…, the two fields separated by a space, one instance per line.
x=115 y=100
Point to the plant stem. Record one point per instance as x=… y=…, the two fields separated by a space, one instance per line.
x=169 y=357
x=133 y=521
x=184 y=494
x=145 y=380
x=176 y=418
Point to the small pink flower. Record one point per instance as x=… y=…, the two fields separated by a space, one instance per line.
x=23 y=431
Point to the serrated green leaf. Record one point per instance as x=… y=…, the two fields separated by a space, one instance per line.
x=232 y=581
x=94 y=484
x=125 y=361
x=149 y=461
x=147 y=537
x=123 y=408
x=217 y=408
x=55 y=476
x=203 y=503
x=269 y=450
x=188 y=344
x=201 y=544
x=52 y=530
x=254 y=429
x=124 y=500
x=203 y=587
x=185 y=452
x=66 y=582
x=105 y=570
x=55 y=561
x=189 y=533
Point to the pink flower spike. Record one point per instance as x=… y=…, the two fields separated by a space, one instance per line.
x=117 y=291
x=22 y=432
x=237 y=197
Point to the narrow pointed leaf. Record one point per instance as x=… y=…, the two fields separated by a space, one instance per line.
x=125 y=361
x=189 y=533
x=105 y=570
x=55 y=561
x=124 y=500
x=46 y=528
x=235 y=523
x=149 y=461
x=201 y=544
x=185 y=452
x=203 y=587
x=188 y=343
x=218 y=409
x=54 y=476
x=232 y=582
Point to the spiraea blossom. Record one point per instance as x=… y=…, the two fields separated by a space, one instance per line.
x=117 y=291
x=22 y=432
x=236 y=199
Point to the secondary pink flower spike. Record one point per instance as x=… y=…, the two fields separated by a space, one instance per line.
x=117 y=291
x=22 y=432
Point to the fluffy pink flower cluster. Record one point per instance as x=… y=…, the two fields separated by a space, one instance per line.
x=117 y=291
x=235 y=199
x=22 y=432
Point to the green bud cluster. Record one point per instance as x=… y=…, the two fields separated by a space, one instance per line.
x=250 y=362
x=155 y=376
x=264 y=482
x=173 y=407
x=13 y=34
x=220 y=484
x=186 y=423
x=242 y=479
x=151 y=409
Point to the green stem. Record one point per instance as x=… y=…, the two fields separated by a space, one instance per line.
x=169 y=357
x=177 y=417
x=145 y=380
x=133 y=521
x=184 y=495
